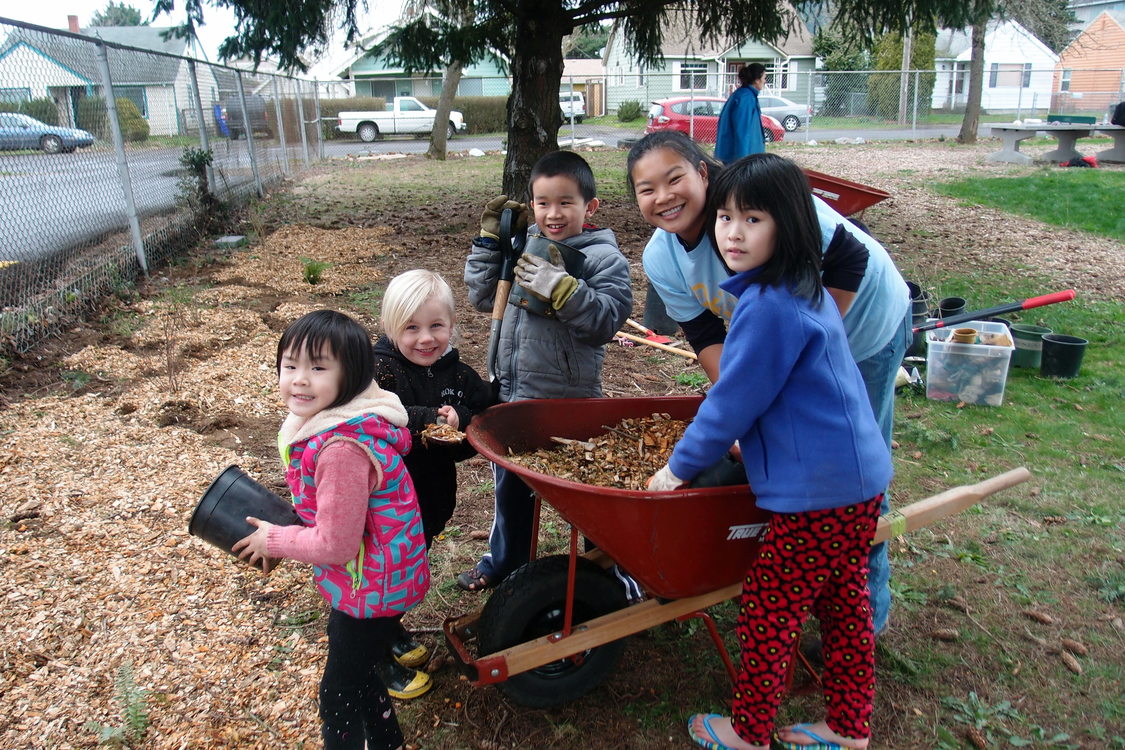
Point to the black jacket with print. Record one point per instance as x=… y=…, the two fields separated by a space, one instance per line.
x=422 y=390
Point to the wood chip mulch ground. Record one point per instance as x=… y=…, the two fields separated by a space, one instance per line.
x=99 y=571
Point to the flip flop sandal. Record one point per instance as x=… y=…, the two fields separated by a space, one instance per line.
x=473 y=580
x=819 y=742
x=711 y=741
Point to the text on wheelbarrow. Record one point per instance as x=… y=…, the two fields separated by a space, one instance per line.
x=747 y=531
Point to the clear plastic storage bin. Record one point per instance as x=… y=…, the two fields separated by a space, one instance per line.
x=972 y=373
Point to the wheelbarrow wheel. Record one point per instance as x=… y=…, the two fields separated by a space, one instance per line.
x=530 y=604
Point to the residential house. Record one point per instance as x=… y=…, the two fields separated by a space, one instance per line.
x=1018 y=70
x=65 y=69
x=1089 y=78
x=1087 y=10
x=693 y=67
x=372 y=74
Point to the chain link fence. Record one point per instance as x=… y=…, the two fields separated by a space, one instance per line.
x=104 y=146
x=105 y=152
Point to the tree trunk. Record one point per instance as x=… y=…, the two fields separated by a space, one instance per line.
x=969 y=124
x=449 y=83
x=537 y=66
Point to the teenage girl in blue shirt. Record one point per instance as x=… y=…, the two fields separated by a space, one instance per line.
x=669 y=175
x=791 y=394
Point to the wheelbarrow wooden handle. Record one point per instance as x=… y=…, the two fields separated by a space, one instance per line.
x=664 y=347
x=954 y=500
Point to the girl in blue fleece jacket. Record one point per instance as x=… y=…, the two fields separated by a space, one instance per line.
x=790 y=393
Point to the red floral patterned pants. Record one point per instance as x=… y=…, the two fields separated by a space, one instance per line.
x=812 y=562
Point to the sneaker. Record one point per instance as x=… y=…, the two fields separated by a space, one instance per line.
x=404 y=683
x=409 y=652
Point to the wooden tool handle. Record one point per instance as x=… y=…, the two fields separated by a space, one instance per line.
x=955 y=500
x=638 y=326
x=664 y=347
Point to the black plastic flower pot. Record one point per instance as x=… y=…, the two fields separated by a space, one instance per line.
x=220 y=517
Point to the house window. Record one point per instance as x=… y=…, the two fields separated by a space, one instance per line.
x=693 y=77
x=778 y=78
x=1064 y=84
x=135 y=94
x=1027 y=75
x=1005 y=75
x=15 y=95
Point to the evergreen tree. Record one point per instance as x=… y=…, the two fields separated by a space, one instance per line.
x=117 y=14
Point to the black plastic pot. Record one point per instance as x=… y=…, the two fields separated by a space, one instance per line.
x=951 y=306
x=220 y=517
x=1062 y=355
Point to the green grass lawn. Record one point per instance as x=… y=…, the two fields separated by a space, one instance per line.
x=1086 y=199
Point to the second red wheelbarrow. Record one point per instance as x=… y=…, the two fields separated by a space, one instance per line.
x=553 y=629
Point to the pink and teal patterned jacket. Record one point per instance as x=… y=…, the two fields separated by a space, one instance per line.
x=390 y=573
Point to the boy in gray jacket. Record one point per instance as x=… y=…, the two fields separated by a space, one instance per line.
x=570 y=296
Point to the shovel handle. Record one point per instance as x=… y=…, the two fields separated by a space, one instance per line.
x=1027 y=304
x=664 y=347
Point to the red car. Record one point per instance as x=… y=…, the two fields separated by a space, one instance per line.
x=699 y=117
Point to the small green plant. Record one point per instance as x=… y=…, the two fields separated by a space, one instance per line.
x=134 y=714
x=195 y=190
x=76 y=379
x=313 y=270
x=690 y=379
x=1110 y=585
x=629 y=111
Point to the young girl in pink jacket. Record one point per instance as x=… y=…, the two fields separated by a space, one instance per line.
x=342 y=445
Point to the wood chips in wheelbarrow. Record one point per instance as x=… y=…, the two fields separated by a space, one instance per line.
x=623 y=457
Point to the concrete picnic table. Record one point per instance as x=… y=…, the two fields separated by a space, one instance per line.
x=1067 y=135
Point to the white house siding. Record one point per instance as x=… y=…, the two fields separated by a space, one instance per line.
x=1018 y=70
x=23 y=67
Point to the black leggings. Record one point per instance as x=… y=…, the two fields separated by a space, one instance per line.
x=354 y=705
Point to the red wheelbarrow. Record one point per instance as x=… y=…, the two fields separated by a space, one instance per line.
x=845 y=196
x=553 y=629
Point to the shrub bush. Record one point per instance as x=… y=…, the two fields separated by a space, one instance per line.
x=331 y=108
x=484 y=114
x=43 y=110
x=91 y=116
x=629 y=111
x=134 y=127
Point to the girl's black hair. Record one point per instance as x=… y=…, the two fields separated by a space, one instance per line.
x=348 y=341
x=676 y=141
x=771 y=183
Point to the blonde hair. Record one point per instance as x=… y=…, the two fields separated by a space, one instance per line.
x=409 y=291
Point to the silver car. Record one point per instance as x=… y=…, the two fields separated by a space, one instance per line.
x=790 y=114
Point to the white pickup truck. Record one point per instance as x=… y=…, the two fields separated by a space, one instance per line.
x=404 y=115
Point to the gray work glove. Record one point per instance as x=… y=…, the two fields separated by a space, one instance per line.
x=546 y=279
x=490 y=219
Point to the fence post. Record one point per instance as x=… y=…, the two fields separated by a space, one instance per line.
x=280 y=124
x=197 y=102
x=301 y=115
x=122 y=163
x=249 y=137
x=914 y=114
x=811 y=104
x=573 y=129
x=319 y=127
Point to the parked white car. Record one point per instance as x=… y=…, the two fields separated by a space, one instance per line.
x=403 y=115
x=790 y=114
x=572 y=103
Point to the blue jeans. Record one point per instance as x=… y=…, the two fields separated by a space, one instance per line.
x=879 y=372
x=509 y=543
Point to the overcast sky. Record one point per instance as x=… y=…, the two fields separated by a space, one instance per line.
x=219 y=22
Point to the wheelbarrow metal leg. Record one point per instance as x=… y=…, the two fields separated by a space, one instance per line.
x=717 y=639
